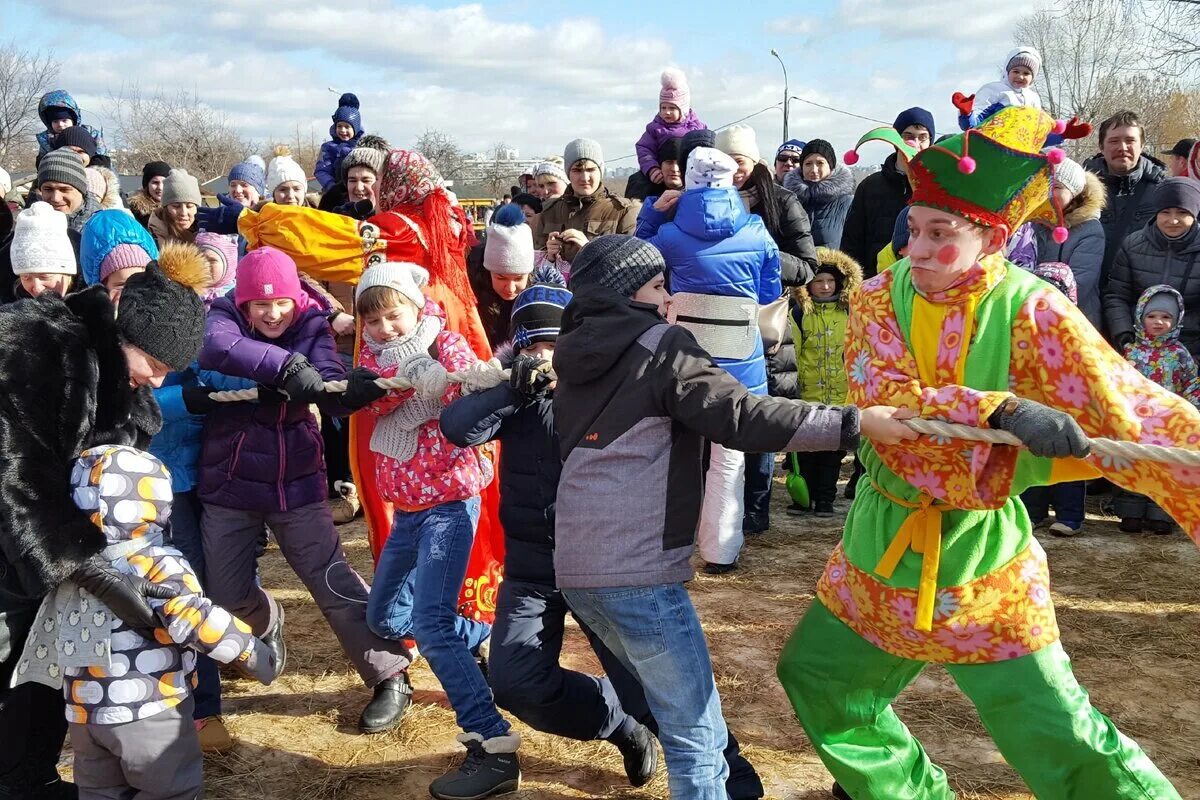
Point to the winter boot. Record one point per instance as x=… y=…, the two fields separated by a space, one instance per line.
x=1131 y=525
x=392 y=698
x=491 y=767
x=483 y=654
x=824 y=509
x=640 y=755
x=273 y=639
x=719 y=569
x=214 y=736
x=840 y=793
x=345 y=506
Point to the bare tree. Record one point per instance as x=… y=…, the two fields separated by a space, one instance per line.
x=499 y=173
x=1176 y=43
x=179 y=129
x=442 y=149
x=25 y=75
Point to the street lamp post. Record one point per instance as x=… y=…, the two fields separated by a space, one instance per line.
x=786 y=93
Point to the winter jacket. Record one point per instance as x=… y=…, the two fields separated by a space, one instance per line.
x=781 y=368
x=164 y=231
x=657 y=133
x=1021 y=248
x=330 y=161
x=1084 y=248
x=529 y=471
x=792 y=234
x=264 y=457
x=872 y=216
x=1163 y=359
x=104 y=231
x=636 y=398
x=826 y=202
x=142 y=205
x=819 y=330
x=178 y=443
x=595 y=215
x=439 y=472
x=1148 y=258
x=65 y=384
x=1129 y=206
x=63 y=99
x=713 y=246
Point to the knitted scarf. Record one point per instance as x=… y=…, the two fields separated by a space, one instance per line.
x=395 y=435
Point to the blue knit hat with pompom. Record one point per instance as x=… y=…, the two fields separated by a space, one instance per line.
x=347 y=111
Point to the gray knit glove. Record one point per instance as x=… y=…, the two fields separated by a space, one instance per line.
x=258 y=664
x=428 y=377
x=1045 y=431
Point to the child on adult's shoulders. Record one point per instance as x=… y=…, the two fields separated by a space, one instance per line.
x=675 y=118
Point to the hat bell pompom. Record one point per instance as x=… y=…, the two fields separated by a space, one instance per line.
x=673 y=78
x=1055 y=156
x=966 y=165
x=850 y=157
x=1060 y=126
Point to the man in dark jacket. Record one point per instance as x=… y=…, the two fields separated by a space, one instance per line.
x=72 y=377
x=882 y=195
x=635 y=400
x=1129 y=176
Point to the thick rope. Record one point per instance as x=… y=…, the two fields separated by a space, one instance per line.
x=486 y=374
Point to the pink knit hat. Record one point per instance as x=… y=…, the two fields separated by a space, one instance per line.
x=121 y=257
x=267 y=274
x=227 y=248
x=675 y=90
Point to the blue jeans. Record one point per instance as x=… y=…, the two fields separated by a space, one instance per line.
x=655 y=632
x=185 y=535
x=1066 y=498
x=415 y=592
x=760 y=473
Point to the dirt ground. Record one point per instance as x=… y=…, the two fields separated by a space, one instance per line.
x=1129 y=607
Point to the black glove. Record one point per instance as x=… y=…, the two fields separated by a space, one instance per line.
x=270 y=396
x=361 y=389
x=198 y=399
x=530 y=376
x=301 y=380
x=1124 y=340
x=1045 y=431
x=125 y=595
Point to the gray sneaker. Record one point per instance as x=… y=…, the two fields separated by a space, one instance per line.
x=491 y=767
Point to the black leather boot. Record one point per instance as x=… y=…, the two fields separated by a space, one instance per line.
x=392 y=698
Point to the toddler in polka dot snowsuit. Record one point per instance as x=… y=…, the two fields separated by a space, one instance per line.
x=128 y=692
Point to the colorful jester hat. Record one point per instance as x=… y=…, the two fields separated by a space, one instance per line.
x=992 y=175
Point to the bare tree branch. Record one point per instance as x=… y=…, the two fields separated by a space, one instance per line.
x=441 y=149
x=25 y=75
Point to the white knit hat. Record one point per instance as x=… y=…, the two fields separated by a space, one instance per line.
x=709 y=168
x=283 y=168
x=406 y=278
x=40 y=243
x=739 y=140
x=508 y=249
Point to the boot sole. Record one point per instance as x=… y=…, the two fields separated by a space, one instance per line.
x=508 y=787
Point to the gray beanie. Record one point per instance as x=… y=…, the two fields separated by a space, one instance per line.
x=616 y=261
x=580 y=149
x=63 y=166
x=370 y=152
x=180 y=187
x=1070 y=175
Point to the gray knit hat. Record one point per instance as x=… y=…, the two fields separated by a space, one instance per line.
x=370 y=152
x=579 y=149
x=616 y=261
x=63 y=166
x=180 y=187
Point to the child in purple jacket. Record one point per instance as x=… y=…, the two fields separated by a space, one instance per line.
x=262 y=462
x=674 y=118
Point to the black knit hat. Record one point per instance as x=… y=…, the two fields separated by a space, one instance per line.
x=690 y=141
x=822 y=148
x=1178 y=193
x=161 y=317
x=154 y=169
x=526 y=199
x=669 y=150
x=76 y=137
x=619 y=262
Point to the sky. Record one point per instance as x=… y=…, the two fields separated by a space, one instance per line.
x=533 y=75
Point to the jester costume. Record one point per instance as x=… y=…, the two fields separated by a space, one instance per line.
x=938 y=563
x=418 y=224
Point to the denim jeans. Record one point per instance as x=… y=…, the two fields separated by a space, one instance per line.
x=416 y=587
x=185 y=535
x=655 y=632
x=1067 y=499
x=760 y=473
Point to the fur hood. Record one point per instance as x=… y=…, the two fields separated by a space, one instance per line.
x=841 y=263
x=1092 y=200
x=142 y=204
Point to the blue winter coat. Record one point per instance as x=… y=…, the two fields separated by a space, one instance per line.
x=332 y=153
x=715 y=246
x=61 y=98
x=102 y=233
x=178 y=443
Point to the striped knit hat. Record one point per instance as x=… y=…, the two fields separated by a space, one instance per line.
x=537 y=315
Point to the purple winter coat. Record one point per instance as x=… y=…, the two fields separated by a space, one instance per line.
x=657 y=132
x=264 y=457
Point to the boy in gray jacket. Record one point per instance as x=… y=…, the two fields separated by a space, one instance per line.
x=635 y=400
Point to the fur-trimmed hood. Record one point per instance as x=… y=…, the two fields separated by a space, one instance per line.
x=1092 y=200
x=851 y=274
x=142 y=204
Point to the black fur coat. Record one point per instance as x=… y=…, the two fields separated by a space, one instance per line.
x=64 y=387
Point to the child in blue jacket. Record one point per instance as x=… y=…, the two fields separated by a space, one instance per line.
x=344 y=134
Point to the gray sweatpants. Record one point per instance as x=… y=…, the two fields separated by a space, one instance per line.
x=310 y=544
x=157 y=758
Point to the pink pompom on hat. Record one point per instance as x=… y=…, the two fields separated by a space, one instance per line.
x=267 y=274
x=675 y=90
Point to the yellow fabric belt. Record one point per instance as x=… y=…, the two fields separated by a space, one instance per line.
x=921 y=532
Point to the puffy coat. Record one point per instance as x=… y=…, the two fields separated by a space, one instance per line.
x=819 y=331
x=826 y=202
x=715 y=247
x=1148 y=258
x=101 y=235
x=872 y=216
x=657 y=133
x=332 y=153
x=60 y=98
x=1120 y=217
x=595 y=215
x=264 y=457
x=1163 y=359
x=177 y=445
x=792 y=235
x=1083 y=250
x=529 y=471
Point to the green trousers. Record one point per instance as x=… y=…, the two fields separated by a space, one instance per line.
x=842 y=688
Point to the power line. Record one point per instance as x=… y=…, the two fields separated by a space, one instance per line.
x=718 y=127
x=839 y=111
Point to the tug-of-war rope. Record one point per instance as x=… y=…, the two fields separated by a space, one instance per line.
x=486 y=374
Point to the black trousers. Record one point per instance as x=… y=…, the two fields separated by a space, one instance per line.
x=821 y=471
